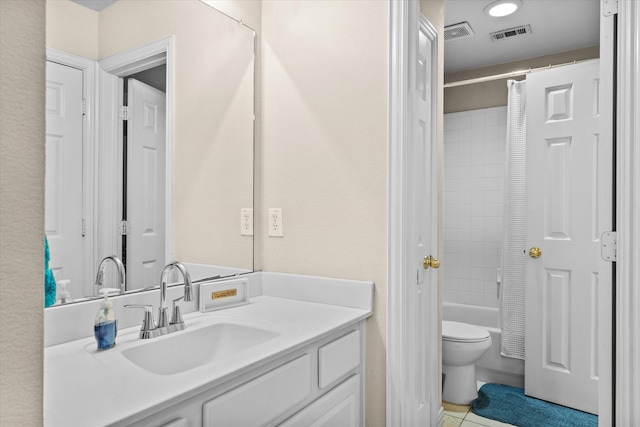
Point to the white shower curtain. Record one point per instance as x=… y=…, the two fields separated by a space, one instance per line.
x=513 y=244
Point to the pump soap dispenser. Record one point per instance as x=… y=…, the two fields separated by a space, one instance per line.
x=63 y=291
x=105 y=327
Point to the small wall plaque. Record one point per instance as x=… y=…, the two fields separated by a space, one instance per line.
x=226 y=294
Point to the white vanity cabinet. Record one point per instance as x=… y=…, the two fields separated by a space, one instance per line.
x=301 y=364
x=320 y=384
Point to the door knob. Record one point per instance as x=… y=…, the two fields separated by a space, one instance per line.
x=535 y=252
x=430 y=261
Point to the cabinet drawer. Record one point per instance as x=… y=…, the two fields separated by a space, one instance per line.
x=338 y=358
x=259 y=401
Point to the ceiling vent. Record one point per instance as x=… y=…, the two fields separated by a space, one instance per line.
x=458 y=31
x=511 y=32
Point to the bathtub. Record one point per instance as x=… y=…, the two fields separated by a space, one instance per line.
x=492 y=367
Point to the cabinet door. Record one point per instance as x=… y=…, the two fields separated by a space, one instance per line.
x=337 y=358
x=338 y=408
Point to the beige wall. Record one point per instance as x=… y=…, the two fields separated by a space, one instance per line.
x=494 y=93
x=22 y=39
x=325 y=79
x=249 y=12
x=72 y=28
x=326 y=150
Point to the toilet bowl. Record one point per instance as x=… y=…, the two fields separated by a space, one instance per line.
x=462 y=346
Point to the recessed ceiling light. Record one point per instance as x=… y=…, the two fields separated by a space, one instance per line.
x=502 y=8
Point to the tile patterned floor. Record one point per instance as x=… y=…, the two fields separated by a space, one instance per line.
x=462 y=416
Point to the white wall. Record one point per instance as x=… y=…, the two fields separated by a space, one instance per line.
x=22 y=71
x=473 y=204
x=325 y=104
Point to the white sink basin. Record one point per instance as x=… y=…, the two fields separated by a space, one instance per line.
x=189 y=349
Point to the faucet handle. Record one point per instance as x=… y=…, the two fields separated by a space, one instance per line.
x=176 y=324
x=99 y=276
x=187 y=290
x=176 y=317
x=148 y=329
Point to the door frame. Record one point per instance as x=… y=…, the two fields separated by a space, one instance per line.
x=626 y=367
x=89 y=159
x=405 y=21
x=111 y=71
x=605 y=219
x=627 y=291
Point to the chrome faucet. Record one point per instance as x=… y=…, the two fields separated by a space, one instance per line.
x=176 y=323
x=163 y=327
x=119 y=266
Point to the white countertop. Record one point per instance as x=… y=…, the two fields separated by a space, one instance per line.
x=85 y=387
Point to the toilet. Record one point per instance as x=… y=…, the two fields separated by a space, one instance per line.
x=462 y=346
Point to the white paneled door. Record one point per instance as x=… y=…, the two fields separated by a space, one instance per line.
x=145 y=185
x=63 y=174
x=422 y=232
x=563 y=289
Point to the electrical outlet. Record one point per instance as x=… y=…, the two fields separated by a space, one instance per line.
x=275 y=222
x=246 y=222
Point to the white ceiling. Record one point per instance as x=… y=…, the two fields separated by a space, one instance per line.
x=556 y=26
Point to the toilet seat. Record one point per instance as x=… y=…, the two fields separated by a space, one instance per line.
x=463 y=332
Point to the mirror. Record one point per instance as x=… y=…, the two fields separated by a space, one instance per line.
x=149 y=204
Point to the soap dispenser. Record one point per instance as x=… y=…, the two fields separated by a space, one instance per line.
x=63 y=291
x=105 y=327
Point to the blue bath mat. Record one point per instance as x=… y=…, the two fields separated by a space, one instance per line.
x=510 y=405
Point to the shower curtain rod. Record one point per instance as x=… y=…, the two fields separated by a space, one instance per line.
x=511 y=74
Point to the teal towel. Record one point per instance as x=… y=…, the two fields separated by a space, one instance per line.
x=49 y=278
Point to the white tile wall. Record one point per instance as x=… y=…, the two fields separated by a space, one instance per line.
x=474 y=153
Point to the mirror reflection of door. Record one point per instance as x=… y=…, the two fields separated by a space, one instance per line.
x=143 y=213
x=142 y=165
x=64 y=219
